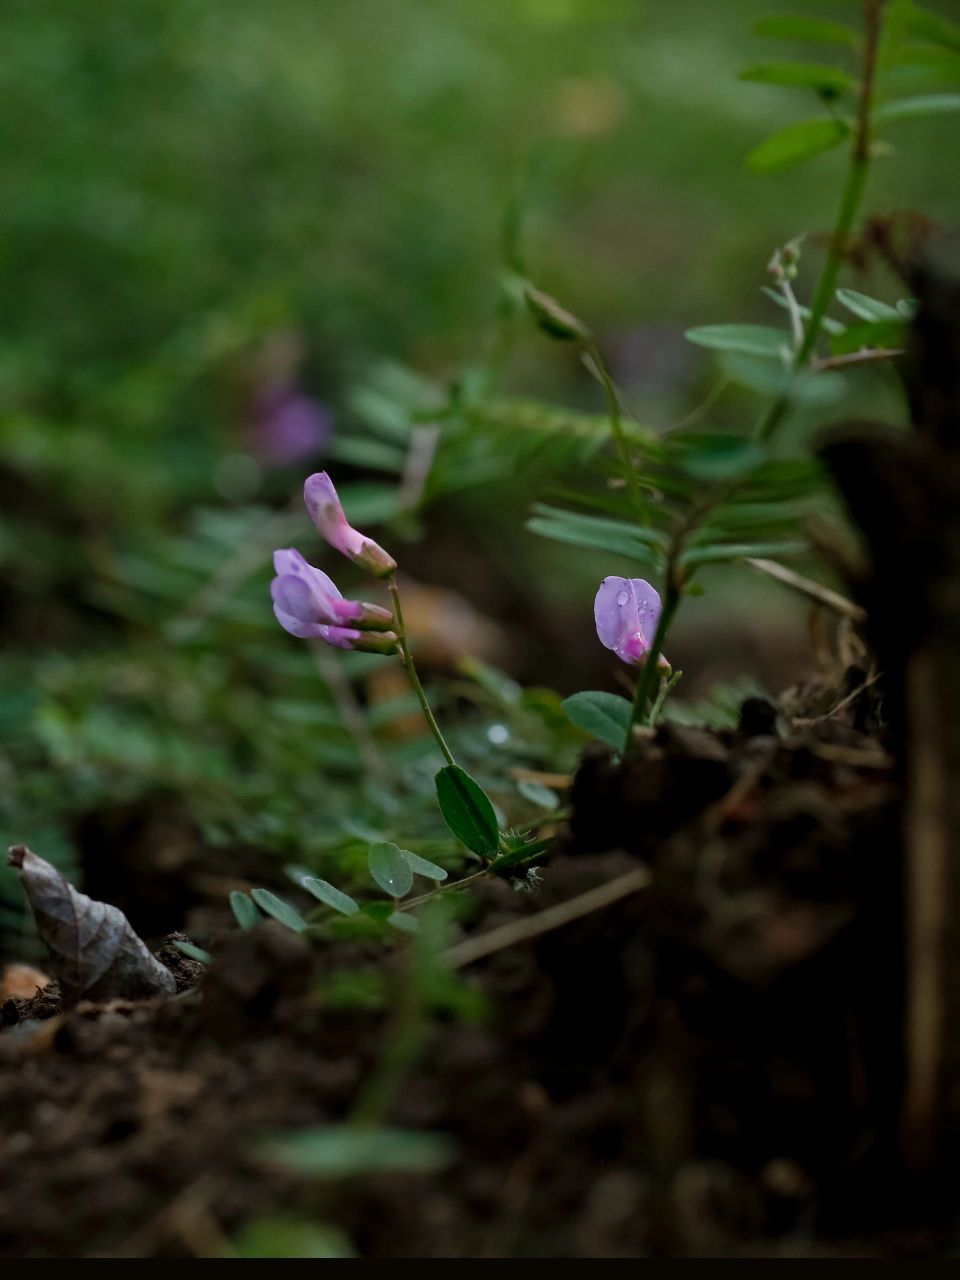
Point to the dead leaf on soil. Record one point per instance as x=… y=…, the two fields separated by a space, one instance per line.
x=95 y=952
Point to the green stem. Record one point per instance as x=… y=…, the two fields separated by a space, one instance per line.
x=602 y=374
x=649 y=671
x=667 y=685
x=406 y=658
x=849 y=206
x=445 y=888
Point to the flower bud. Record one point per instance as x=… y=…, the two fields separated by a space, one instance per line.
x=553 y=318
x=327 y=514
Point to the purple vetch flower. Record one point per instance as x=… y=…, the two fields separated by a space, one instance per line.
x=288 y=424
x=309 y=605
x=626 y=612
x=327 y=514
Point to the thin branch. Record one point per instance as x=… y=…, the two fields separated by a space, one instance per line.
x=844 y=702
x=807 y=587
x=517 y=931
x=856 y=357
x=444 y=888
x=701 y=410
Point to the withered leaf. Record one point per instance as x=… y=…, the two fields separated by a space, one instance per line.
x=95 y=952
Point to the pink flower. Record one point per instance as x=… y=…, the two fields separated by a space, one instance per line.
x=308 y=605
x=626 y=612
x=327 y=514
x=288 y=425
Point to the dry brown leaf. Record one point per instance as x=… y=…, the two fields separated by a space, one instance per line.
x=95 y=952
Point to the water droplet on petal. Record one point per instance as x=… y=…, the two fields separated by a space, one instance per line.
x=622 y=598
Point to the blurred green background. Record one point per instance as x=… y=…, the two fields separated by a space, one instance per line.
x=202 y=197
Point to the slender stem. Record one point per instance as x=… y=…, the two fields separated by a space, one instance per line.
x=852 y=194
x=865 y=356
x=702 y=409
x=555 y=917
x=602 y=374
x=445 y=888
x=796 y=319
x=406 y=658
x=846 y=216
x=649 y=671
x=667 y=685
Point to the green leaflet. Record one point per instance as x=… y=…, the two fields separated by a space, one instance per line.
x=467 y=810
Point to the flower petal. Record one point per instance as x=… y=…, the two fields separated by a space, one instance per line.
x=288 y=560
x=291 y=561
x=308 y=604
x=340 y=637
x=293 y=595
x=626 y=612
x=326 y=512
x=296 y=627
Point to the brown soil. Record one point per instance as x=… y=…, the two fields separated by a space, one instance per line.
x=709 y=1067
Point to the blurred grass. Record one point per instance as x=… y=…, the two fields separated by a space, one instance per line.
x=172 y=170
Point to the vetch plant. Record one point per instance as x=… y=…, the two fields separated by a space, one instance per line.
x=668 y=502
x=308 y=605
x=682 y=499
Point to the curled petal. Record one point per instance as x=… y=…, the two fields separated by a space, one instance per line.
x=308 y=603
x=307 y=593
x=292 y=595
x=296 y=627
x=327 y=514
x=626 y=612
x=290 y=561
x=340 y=637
